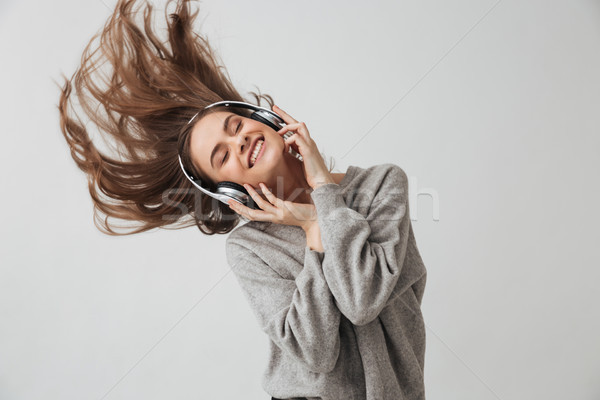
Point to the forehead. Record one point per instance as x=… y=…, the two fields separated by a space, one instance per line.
x=210 y=125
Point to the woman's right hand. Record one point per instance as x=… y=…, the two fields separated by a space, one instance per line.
x=276 y=210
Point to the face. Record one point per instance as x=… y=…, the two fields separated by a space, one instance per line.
x=222 y=142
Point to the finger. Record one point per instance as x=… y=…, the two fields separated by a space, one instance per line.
x=270 y=196
x=299 y=128
x=248 y=213
x=238 y=207
x=279 y=204
x=304 y=130
x=299 y=145
x=290 y=143
x=264 y=205
x=285 y=116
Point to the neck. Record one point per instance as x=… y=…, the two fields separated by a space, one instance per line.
x=295 y=187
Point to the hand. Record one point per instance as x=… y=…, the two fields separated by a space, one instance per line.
x=275 y=210
x=315 y=170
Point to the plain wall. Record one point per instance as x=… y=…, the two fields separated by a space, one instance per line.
x=491 y=106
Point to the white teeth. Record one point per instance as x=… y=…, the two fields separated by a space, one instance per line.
x=256 y=151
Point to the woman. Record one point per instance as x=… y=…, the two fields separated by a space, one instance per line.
x=329 y=263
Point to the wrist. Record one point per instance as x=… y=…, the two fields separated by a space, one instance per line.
x=309 y=226
x=313 y=238
x=322 y=182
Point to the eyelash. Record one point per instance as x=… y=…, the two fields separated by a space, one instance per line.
x=227 y=153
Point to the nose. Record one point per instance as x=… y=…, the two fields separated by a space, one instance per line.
x=241 y=142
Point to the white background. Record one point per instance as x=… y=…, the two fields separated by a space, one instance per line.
x=492 y=106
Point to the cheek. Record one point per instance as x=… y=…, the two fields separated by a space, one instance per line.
x=232 y=171
x=276 y=142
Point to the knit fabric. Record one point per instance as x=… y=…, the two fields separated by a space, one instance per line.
x=345 y=323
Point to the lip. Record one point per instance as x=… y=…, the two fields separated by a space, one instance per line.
x=251 y=150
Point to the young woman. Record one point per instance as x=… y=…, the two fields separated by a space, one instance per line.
x=328 y=263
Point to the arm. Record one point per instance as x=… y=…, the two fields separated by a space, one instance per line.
x=299 y=315
x=313 y=237
x=363 y=256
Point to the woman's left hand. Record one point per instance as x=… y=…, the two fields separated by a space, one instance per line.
x=315 y=170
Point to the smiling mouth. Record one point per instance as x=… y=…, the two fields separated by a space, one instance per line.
x=257 y=151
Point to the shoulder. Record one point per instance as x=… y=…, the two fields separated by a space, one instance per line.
x=388 y=171
x=253 y=236
x=252 y=250
x=240 y=251
x=239 y=241
x=367 y=189
x=377 y=177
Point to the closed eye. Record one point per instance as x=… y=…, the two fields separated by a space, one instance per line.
x=237 y=129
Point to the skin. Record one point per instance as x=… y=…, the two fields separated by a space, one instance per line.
x=292 y=180
x=275 y=160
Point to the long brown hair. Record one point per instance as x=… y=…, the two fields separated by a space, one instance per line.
x=139 y=92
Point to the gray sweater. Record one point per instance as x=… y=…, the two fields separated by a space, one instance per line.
x=344 y=323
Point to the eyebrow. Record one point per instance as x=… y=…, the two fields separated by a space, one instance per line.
x=217 y=147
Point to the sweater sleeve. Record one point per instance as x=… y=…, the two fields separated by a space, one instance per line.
x=299 y=315
x=363 y=256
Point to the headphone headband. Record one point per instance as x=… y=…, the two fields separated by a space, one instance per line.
x=232 y=190
x=230 y=103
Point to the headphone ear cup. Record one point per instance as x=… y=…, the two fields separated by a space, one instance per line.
x=257 y=117
x=237 y=192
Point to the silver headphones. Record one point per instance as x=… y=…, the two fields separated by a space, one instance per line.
x=231 y=190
